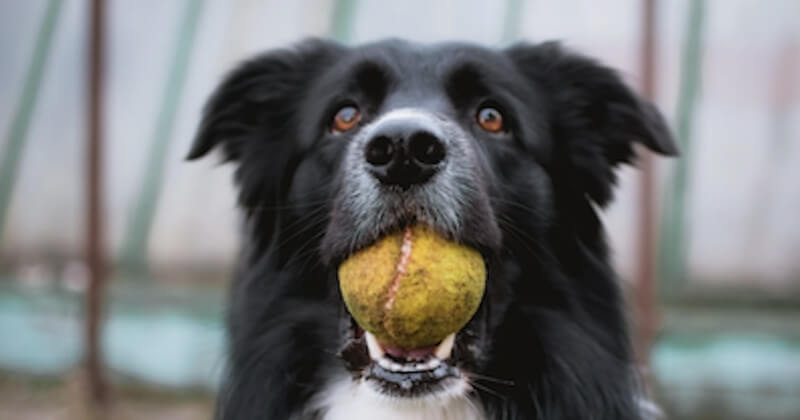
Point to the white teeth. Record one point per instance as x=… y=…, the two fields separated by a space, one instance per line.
x=375 y=350
x=377 y=354
x=431 y=364
x=444 y=348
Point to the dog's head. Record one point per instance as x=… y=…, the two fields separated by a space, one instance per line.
x=508 y=151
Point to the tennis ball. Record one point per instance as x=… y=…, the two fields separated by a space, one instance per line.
x=413 y=288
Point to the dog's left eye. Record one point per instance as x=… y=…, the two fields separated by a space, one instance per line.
x=490 y=119
x=345 y=119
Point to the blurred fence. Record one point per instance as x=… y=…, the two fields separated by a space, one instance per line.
x=741 y=195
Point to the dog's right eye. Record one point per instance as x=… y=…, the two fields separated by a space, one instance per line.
x=345 y=119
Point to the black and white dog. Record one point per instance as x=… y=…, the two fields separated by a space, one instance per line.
x=510 y=151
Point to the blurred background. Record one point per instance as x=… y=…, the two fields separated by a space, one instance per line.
x=716 y=298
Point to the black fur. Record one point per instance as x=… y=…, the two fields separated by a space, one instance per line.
x=551 y=330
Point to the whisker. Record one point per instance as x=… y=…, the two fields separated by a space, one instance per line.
x=288 y=206
x=530 y=243
x=489 y=390
x=313 y=219
x=516 y=204
x=491 y=379
x=306 y=257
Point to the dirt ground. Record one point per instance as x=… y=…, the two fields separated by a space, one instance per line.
x=26 y=399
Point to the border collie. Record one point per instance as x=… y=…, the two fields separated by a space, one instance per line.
x=510 y=151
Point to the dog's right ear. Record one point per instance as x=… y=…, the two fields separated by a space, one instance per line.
x=253 y=98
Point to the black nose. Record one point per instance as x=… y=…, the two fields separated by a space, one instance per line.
x=404 y=153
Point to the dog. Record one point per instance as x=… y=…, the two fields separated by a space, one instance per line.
x=511 y=152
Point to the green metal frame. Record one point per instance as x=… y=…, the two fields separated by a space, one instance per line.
x=673 y=244
x=512 y=20
x=137 y=236
x=342 y=19
x=18 y=131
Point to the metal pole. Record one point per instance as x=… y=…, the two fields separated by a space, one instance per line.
x=94 y=222
x=645 y=271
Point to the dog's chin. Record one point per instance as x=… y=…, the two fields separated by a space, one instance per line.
x=432 y=373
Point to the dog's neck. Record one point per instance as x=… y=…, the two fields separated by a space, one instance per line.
x=345 y=399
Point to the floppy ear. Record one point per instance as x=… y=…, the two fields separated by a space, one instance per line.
x=595 y=118
x=256 y=97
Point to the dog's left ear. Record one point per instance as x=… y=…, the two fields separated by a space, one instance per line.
x=595 y=118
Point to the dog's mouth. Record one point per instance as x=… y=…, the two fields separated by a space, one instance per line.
x=404 y=373
x=438 y=280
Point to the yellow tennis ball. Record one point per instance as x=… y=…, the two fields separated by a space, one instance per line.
x=413 y=288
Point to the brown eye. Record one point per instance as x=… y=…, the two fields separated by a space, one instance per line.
x=490 y=119
x=345 y=119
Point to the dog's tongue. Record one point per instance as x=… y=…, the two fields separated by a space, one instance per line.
x=408 y=354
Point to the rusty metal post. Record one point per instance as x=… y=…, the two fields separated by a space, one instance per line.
x=94 y=222
x=646 y=309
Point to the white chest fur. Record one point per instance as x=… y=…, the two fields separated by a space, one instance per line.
x=348 y=400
